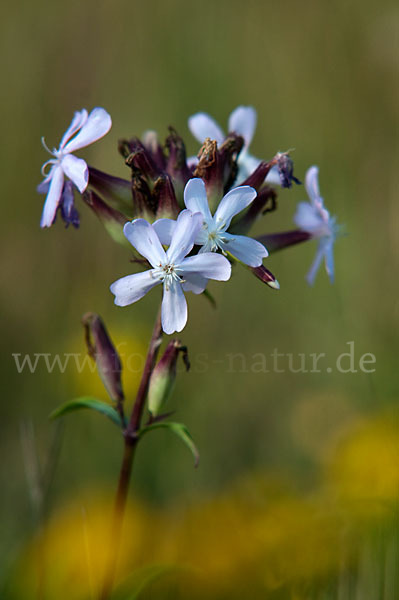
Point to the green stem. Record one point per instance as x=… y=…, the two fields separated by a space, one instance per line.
x=131 y=439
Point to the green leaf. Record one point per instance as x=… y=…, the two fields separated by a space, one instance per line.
x=178 y=429
x=87 y=402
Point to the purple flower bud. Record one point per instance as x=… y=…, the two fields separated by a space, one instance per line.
x=229 y=152
x=257 y=178
x=176 y=165
x=152 y=145
x=278 y=241
x=217 y=167
x=209 y=170
x=164 y=375
x=112 y=220
x=102 y=350
x=140 y=160
x=114 y=191
x=144 y=203
x=165 y=198
x=266 y=276
x=265 y=201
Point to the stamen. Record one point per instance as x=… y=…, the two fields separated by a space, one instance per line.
x=51 y=161
x=46 y=147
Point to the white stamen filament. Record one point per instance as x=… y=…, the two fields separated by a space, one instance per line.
x=167 y=274
x=53 y=152
x=51 y=161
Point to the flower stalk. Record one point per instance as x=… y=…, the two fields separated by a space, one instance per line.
x=131 y=438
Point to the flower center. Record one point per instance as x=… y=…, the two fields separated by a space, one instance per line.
x=168 y=274
x=215 y=239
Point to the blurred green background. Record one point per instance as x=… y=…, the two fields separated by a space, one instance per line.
x=323 y=77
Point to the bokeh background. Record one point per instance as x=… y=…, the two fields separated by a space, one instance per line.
x=296 y=494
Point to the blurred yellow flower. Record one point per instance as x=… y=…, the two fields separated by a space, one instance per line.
x=257 y=538
x=364 y=471
x=68 y=558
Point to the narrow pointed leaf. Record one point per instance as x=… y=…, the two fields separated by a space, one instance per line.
x=207 y=294
x=178 y=429
x=87 y=402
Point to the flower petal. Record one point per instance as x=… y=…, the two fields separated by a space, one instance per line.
x=96 y=126
x=243 y=122
x=53 y=197
x=246 y=165
x=273 y=176
x=234 y=202
x=194 y=283
x=174 y=308
x=144 y=238
x=192 y=162
x=307 y=218
x=195 y=198
x=247 y=250
x=312 y=185
x=131 y=288
x=310 y=277
x=77 y=171
x=209 y=265
x=79 y=119
x=329 y=259
x=202 y=126
x=164 y=229
x=43 y=186
x=187 y=227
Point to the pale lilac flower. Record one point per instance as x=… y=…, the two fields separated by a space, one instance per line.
x=213 y=235
x=171 y=268
x=313 y=218
x=242 y=121
x=84 y=130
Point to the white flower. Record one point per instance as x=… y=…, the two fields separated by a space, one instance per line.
x=171 y=268
x=84 y=130
x=313 y=218
x=213 y=235
x=242 y=121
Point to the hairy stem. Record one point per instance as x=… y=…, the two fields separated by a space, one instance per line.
x=131 y=439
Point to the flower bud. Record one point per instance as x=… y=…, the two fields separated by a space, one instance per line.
x=229 y=151
x=278 y=241
x=141 y=160
x=164 y=198
x=210 y=171
x=258 y=176
x=142 y=198
x=176 y=165
x=265 y=201
x=102 y=350
x=265 y=276
x=112 y=220
x=164 y=375
x=114 y=191
x=217 y=166
x=152 y=145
